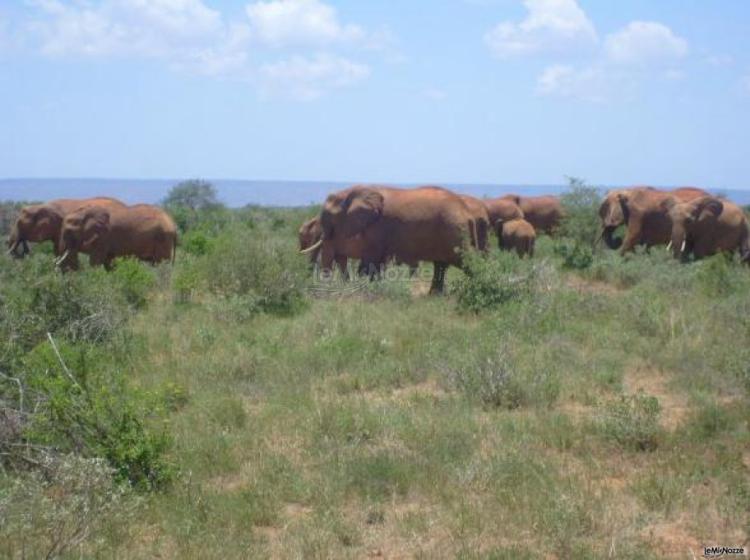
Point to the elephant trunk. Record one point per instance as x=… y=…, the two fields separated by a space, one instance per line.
x=679 y=243
x=608 y=235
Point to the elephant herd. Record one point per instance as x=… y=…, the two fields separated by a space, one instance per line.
x=377 y=224
x=690 y=221
x=103 y=228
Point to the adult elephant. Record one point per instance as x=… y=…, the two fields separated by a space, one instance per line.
x=708 y=225
x=481 y=220
x=517 y=235
x=544 y=213
x=105 y=233
x=502 y=210
x=43 y=222
x=408 y=225
x=310 y=235
x=643 y=210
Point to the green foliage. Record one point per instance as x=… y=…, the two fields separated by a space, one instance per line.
x=493 y=281
x=94 y=412
x=581 y=222
x=134 y=281
x=632 y=421
x=716 y=275
x=194 y=204
x=575 y=256
x=260 y=268
x=50 y=513
x=195 y=243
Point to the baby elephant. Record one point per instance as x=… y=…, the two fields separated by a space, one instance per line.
x=142 y=231
x=517 y=234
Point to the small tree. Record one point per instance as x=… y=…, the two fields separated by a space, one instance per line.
x=580 y=228
x=194 y=194
x=188 y=199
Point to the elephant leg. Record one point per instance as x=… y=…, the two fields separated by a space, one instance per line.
x=342 y=263
x=632 y=238
x=438 y=278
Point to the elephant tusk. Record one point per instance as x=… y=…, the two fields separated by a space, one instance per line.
x=684 y=244
x=669 y=247
x=312 y=248
x=61 y=260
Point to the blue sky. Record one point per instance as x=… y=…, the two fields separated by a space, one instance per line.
x=480 y=91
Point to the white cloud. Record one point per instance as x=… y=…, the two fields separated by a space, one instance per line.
x=551 y=25
x=435 y=94
x=645 y=42
x=307 y=78
x=173 y=30
x=590 y=84
x=189 y=36
x=284 y=23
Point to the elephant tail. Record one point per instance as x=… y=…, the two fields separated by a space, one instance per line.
x=473 y=234
x=745 y=243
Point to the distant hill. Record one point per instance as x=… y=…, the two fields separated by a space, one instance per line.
x=236 y=193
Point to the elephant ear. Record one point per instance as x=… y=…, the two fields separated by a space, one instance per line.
x=667 y=204
x=96 y=223
x=708 y=207
x=363 y=208
x=514 y=198
x=624 y=199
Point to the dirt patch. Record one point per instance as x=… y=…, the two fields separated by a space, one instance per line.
x=584 y=285
x=655 y=383
x=673 y=540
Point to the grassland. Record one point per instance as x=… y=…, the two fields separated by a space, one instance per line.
x=591 y=412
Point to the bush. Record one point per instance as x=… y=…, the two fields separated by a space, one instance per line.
x=632 y=422
x=93 y=412
x=133 y=280
x=575 y=256
x=261 y=268
x=50 y=512
x=581 y=222
x=492 y=281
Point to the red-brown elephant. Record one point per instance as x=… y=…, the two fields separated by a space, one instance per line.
x=407 y=225
x=544 y=213
x=518 y=235
x=708 y=225
x=142 y=231
x=481 y=220
x=644 y=212
x=43 y=222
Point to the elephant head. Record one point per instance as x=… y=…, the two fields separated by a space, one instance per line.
x=613 y=213
x=689 y=219
x=309 y=234
x=345 y=215
x=37 y=223
x=82 y=231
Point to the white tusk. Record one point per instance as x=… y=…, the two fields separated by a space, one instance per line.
x=669 y=247
x=312 y=248
x=61 y=260
x=684 y=244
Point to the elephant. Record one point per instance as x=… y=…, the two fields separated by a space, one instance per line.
x=517 y=234
x=502 y=209
x=43 y=222
x=310 y=234
x=481 y=220
x=408 y=225
x=642 y=209
x=708 y=225
x=543 y=212
x=142 y=231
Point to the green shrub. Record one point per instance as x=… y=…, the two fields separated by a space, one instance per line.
x=195 y=243
x=632 y=421
x=134 y=280
x=492 y=281
x=51 y=512
x=575 y=256
x=581 y=222
x=262 y=268
x=90 y=411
